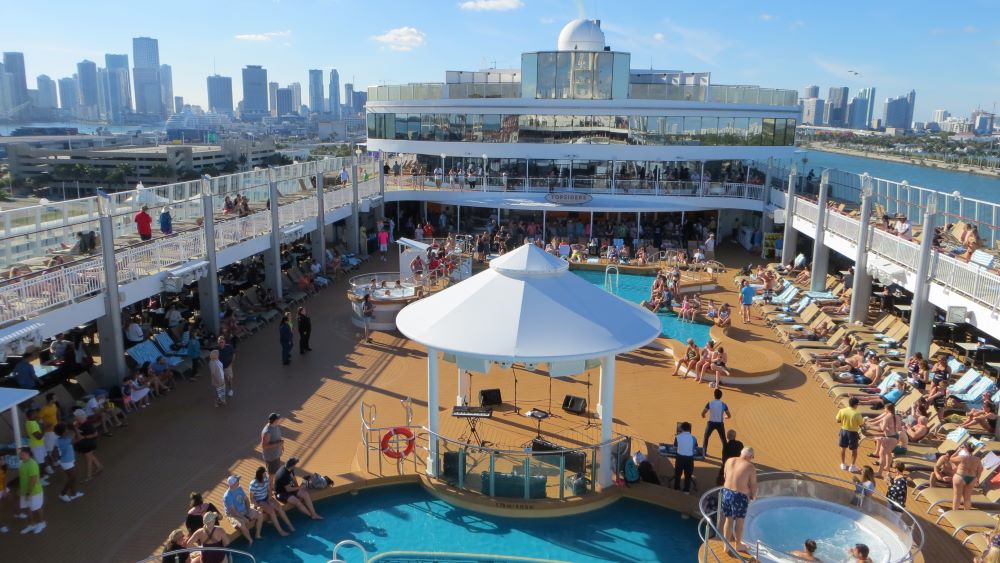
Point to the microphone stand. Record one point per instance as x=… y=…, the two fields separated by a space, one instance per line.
x=513 y=372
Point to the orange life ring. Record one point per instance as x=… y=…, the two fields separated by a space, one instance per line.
x=394 y=453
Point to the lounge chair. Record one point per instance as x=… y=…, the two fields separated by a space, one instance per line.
x=935 y=496
x=840 y=389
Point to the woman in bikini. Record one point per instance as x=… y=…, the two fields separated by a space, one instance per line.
x=690 y=359
x=943 y=470
x=706 y=360
x=985 y=419
x=719 y=365
x=968 y=469
x=210 y=535
x=892 y=425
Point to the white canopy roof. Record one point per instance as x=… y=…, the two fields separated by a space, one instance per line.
x=10 y=397
x=528 y=307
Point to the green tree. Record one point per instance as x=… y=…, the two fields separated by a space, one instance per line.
x=162 y=171
x=124 y=171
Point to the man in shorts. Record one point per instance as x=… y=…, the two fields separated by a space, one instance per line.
x=747 y=293
x=226 y=355
x=32 y=497
x=36 y=440
x=237 y=507
x=271 y=444
x=738 y=490
x=383 y=242
x=850 y=434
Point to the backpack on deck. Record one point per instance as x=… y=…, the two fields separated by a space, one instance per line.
x=647 y=473
x=631 y=471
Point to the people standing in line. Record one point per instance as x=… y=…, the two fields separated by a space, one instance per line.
x=144 y=223
x=217 y=378
x=166 y=221
x=686 y=445
x=367 y=312
x=305 y=331
x=272 y=445
x=86 y=443
x=32 y=496
x=67 y=462
x=227 y=354
x=738 y=490
x=850 y=421
x=286 y=338
x=732 y=449
x=717 y=412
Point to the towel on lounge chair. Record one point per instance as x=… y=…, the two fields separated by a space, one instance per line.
x=820 y=295
x=974 y=396
x=963 y=384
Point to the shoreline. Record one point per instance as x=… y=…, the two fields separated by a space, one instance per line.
x=979 y=170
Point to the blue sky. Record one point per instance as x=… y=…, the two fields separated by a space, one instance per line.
x=947 y=53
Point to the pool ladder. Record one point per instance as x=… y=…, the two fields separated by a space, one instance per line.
x=348 y=543
x=611 y=283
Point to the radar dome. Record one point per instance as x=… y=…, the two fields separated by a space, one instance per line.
x=582 y=35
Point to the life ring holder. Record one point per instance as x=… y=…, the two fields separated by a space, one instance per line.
x=386 y=445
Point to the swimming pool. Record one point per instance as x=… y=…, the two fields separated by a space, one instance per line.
x=406 y=517
x=636 y=288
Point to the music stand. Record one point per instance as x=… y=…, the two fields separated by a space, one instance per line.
x=513 y=371
x=539 y=415
x=590 y=419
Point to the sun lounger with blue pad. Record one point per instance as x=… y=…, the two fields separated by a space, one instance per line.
x=974 y=396
x=963 y=384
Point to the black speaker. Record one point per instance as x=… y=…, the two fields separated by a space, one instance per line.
x=490 y=398
x=574 y=404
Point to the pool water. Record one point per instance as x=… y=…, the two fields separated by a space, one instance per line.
x=784 y=523
x=636 y=289
x=408 y=518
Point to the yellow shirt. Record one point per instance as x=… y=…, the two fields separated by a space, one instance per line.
x=30 y=428
x=49 y=415
x=850 y=419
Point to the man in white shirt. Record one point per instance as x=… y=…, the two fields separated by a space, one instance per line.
x=686 y=446
x=710 y=244
x=134 y=333
x=904 y=229
x=717 y=412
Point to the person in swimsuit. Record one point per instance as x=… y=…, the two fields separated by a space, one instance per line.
x=943 y=470
x=709 y=362
x=719 y=365
x=690 y=358
x=860 y=553
x=968 y=469
x=737 y=492
x=725 y=319
x=808 y=553
x=705 y=360
x=982 y=419
x=891 y=424
x=195 y=515
x=209 y=535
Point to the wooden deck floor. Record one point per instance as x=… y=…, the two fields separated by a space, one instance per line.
x=183 y=444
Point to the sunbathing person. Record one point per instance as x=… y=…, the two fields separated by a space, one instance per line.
x=725 y=319
x=940 y=370
x=855 y=366
x=819 y=333
x=704 y=360
x=712 y=313
x=918 y=431
x=844 y=349
x=936 y=393
x=982 y=419
x=844 y=308
x=944 y=470
x=690 y=358
x=803 y=277
x=869 y=395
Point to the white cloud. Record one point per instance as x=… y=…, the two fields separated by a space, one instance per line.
x=766 y=17
x=797 y=24
x=491 y=5
x=402 y=38
x=659 y=37
x=547 y=21
x=261 y=36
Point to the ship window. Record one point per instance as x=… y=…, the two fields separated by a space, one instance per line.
x=529 y=75
x=546 y=76
x=767 y=132
x=753 y=131
x=564 y=73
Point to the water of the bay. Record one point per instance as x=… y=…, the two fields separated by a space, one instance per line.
x=974 y=186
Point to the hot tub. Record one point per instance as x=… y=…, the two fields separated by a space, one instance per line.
x=388 y=299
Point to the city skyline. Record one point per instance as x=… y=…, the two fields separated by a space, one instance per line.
x=414 y=46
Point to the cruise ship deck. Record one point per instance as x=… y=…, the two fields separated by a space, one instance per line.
x=182 y=443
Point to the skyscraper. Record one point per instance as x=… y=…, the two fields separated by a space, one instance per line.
x=898 y=111
x=940 y=115
x=296 y=89
x=220 y=94
x=861 y=111
x=86 y=72
x=146 y=76
x=283 y=101
x=254 y=92
x=13 y=64
x=167 y=89
x=272 y=97
x=119 y=86
x=812 y=111
x=349 y=98
x=6 y=90
x=47 y=96
x=911 y=101
x=836 y=106
x=359 y=101
x=316 y=95
x=178 y=104
x=810 y=92
x=335 y=94
x=69 y=97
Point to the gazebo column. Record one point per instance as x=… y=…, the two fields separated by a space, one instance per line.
x=433 y=422
x=464 y=384
x=605 y=409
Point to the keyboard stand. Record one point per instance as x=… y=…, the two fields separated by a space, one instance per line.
x=474 y=432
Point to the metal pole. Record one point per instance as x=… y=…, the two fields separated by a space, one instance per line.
x=543 y=226
x=113 y=368
x=790 y=237
x=355 y=209
x=210 y=284
x=319 y=236
x=381 y=186
x=432 y=411
x=458 y=219
x=272 y=257
x=862 y=287
x=821 y=254
x=922 y=315
x=606 y=411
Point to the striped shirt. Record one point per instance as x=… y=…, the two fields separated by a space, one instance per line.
x=259 y=490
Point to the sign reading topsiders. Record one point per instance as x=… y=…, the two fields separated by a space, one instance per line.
x=568 y=198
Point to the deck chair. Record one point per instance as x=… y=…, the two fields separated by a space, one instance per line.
x=965 y=382
x=768 y=309
x=791 y=314
x=784 y=332
x=165 y=345
x=964 y=519
x=831 y=343
x=904 y=404
x=840 y=389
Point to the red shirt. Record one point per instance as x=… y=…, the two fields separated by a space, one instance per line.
x=144 y=223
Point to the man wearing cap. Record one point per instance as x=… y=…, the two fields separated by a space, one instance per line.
x=237 y=507
x=144 y=223
x=288 y=491
x=271 y=444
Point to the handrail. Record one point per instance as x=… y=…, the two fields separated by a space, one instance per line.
x=708 y=517
x=158 y=558
x=444 y=556
x=349 y=543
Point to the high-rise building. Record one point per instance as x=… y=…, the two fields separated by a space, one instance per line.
x=13 y=64
x=316 y=95
x=812 y=111
x=272 y=97
x=810 y=92
x=940 y=115
x=898 y=112
x=47 y=96
x=146 y=76
x=861 y=110
x=103 y=96
x=6 y=90
x=119 y=86
x=982 y=122
x=69 y=95
x=178 y=104
x=220 y=94
x=87 y=84
x=296 y=89
x=836 y=106
x=283 y=101
x=360 y=99
x=167 y=88
x=254 y=92
x=349 y=98
x=335 y=94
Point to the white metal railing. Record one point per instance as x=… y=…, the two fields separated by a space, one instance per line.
x=806 y=209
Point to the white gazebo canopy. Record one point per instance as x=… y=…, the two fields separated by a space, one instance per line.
x=528 y=308
x=10 y=398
